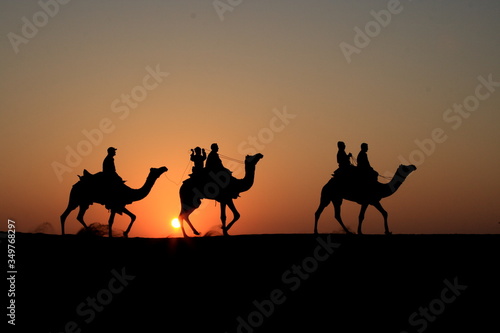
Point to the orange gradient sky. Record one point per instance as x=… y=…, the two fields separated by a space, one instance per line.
x=417 y=81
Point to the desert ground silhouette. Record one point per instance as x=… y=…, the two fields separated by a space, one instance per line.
x=258 y=283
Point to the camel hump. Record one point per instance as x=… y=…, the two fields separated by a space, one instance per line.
x=86 y=175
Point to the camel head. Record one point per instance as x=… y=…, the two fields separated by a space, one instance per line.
x=155 y=173
x=253 y=159
x=405 y=170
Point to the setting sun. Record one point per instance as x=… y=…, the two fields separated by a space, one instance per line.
x=175 y=223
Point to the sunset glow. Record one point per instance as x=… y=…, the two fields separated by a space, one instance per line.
x=175 y=223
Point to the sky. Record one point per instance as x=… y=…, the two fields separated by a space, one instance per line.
x=419 y=81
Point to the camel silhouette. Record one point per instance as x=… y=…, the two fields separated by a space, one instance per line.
x=335 y=191
x=91 y=189
x=220 y=187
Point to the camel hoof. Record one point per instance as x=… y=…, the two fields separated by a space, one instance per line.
x=388 y=233
x=125 y=234
x=196 y=232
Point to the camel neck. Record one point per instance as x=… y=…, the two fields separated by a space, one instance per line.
x=246 y=183
x=396 y=181
x=141 y=193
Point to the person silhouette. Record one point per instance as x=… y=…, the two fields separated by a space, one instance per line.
x=364 y=167
x=343 y=159
x=108 y=165
x=109 y=169
x=214 y=162
x=198 y=157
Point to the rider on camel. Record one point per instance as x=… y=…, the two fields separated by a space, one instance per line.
x=365 y=169
x=343 y=159
x=109 y=170
x=214 y=163
x=198 y=157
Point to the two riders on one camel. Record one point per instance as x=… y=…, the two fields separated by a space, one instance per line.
x=214 y=181
x=210 y=177
x=363 y=173
x=358 y=184
x=213 y=167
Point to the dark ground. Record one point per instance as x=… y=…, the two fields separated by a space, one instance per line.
x=258 y=283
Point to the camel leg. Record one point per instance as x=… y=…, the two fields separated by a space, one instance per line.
x=337 y=204
x=81 y=213
x=236 y=214
x=191 y=226
x=361 y=217
x=223 y=217
x=384 y=214
x=324 y=202
x=181 y=220
x=132 y=219
x=184 y=216
x=71 y=207
x=110 y=223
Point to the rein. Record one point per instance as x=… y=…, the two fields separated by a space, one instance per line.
x=231 y=159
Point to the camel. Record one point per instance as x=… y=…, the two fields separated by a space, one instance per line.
x=89 y=189
x=335 y=193
x=216 y=187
